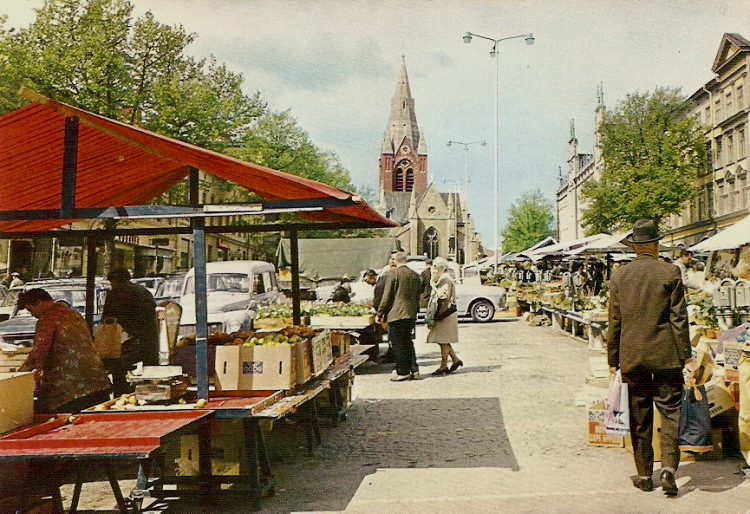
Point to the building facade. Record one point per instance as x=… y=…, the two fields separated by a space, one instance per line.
x=721 y=106
x=431 y=223
x=570 y=203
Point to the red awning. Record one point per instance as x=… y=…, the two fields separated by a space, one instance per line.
x=120 y=165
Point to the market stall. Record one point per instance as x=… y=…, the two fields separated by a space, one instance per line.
x=60 y=164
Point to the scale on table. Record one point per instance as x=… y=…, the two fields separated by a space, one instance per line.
x=159 y=384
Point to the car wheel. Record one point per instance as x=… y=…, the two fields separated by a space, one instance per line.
x=482 y=311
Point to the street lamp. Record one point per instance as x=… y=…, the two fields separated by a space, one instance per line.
x=466 y=190
x=529 y=38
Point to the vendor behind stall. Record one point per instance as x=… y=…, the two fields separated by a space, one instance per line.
x=69 y=374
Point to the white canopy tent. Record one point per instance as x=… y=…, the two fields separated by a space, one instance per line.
x=731 y=237
x=564 y=248
x=607 y=244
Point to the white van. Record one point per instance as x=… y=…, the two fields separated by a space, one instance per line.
x=233 y=290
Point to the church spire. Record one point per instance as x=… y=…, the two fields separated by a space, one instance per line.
x=403 y=121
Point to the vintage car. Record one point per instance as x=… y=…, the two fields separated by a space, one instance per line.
x=19 y=329
x=233 y=290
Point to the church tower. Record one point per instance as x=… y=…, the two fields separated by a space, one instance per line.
x=403 y=159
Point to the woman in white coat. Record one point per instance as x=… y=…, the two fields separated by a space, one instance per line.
x=445 y=331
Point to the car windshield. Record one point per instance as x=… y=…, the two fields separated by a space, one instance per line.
x=224 y=282
x=170 y=287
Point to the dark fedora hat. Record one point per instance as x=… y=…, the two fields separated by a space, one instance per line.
x=644 y=231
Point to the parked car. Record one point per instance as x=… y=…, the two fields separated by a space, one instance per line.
x=170 y=289
x=8 y=304
x=150 y=283
x=233 y=290
x=19 y=329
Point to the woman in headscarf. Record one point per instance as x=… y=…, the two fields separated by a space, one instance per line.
x=445 y=330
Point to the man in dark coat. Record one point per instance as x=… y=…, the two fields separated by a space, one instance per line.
x=135 y=310
x=399 y=306
x=648 y=340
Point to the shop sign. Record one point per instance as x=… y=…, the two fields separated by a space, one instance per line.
x=123 y=238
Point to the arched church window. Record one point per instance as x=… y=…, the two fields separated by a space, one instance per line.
x=398 y=180
x=409 y=179
x=431 y=243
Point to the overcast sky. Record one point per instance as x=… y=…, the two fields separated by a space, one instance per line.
x=335 y=65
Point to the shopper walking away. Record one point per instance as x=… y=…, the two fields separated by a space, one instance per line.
x=70 y=375
x=649 y=342
x=399 y=306
x=135 y=310
x=445 y=330
x=377 y=296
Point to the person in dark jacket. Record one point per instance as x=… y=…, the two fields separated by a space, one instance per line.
x=342 y=293
x=648 y=340
x=399 y=306
x=135 y=310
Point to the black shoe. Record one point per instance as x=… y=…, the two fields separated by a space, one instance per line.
x=440 y=371
x=455 y=366
x=644 y=484
x=668 y=485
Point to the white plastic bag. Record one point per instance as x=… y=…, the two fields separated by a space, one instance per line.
x=616 y=410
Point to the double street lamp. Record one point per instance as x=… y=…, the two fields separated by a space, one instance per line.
x=466 y=193
x=529 y=38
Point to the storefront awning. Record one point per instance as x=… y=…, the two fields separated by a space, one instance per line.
x=733 y=236
x=120 y=165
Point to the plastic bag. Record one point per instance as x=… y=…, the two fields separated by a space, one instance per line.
x=616 y=408
x=429 y=315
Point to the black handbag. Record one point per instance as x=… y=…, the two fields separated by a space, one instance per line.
x=695 y=421
x=447 y=312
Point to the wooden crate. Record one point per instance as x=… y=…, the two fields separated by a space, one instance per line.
x=326 y=321
x=272 y=323
x=11 y=361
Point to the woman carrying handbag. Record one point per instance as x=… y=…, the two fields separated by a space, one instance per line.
x=444 y=322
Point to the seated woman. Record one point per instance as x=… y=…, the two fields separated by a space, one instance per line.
x=69 y=374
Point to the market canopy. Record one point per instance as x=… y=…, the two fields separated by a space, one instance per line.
x=562 y=248
x=117 y=165
x=607 y=244
x=731 y=237
x=333 y=258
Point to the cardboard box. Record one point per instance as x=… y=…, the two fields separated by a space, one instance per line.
x=227 y=450
x=256 y=368
x=321 y=352
x=732 y=361
x=597 y=435
x=327 y=321
x=304 y=364
x=16 y=400
x=274 y=323
x=11 y=361
x=719 y=397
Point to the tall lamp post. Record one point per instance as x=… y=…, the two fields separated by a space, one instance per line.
x=466 y=190
x=529 y=38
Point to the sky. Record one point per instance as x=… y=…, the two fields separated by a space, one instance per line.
x=334 y=64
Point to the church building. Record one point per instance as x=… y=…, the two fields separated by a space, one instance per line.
x=431 y=223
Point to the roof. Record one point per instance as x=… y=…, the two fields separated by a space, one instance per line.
x=731 y=237
x=122 y=165
x=333 y=258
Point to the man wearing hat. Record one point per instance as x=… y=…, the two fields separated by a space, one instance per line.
x=648 y=340
x=17 y=280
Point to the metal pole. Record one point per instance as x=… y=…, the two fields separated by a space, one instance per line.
x=466 y=204
x=497 y=171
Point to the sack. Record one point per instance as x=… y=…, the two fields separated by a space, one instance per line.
x=616 y=408
x=108 y=339
x=447 y=312
x=695 y=421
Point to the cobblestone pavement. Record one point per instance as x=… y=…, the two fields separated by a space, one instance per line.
x=502 y=434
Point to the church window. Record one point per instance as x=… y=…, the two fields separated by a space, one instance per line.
x=409 y=179
x=431 y=243
x=398 y=180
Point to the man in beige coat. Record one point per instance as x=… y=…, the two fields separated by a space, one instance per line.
x=648 y=340
x=399 y=307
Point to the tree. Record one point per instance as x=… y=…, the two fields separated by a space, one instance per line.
x=529 y=222
x=653 y=152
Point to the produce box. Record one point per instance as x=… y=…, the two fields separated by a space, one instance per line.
x=597 y=436
x=732 y=361
x=321 y=352
x=11 y=360
x=304 y=362
x=341 y=342
x=719 y=397
x=256 y=368
x=328 y=321
x=273 y=322
x=16 y=400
